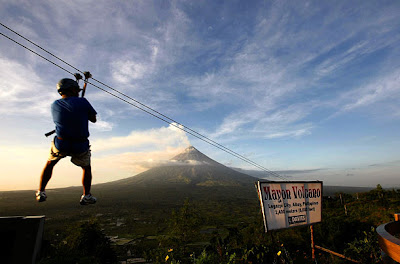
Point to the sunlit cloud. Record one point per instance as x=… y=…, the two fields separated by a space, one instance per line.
x=155 y=138
x=119 y=166
x=101 y=125
x=122 y=165
x=147 y=149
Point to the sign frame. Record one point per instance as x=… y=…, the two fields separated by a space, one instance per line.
x=284 y=209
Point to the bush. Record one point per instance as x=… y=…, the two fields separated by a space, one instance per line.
x=366 y=249
x=85 y=243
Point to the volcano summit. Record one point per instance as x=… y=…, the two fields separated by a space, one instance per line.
x=191 y=167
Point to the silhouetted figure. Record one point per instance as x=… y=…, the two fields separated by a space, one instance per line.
x=70 y=114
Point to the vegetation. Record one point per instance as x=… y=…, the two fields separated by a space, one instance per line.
x=84 y=243
x=209 y=226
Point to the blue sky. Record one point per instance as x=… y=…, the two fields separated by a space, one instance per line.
x=307 y=88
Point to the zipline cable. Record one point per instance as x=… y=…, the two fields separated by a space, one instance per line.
x=177 y=124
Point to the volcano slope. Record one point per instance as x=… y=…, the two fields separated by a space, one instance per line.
x=190 y=174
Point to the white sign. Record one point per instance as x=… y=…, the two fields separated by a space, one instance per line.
x=290 y=204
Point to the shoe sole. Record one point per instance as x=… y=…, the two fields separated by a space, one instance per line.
x=86 y=203
x=41 y=199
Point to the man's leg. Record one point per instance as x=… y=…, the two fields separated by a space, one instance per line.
x=87 y=179
x=83 y=160
x=46 y=174
x=87 y=197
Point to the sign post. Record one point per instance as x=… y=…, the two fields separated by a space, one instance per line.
x=290 y=204
x=312 y=243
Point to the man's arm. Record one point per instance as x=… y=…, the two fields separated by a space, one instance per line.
x=92 y=118
x=91 y=112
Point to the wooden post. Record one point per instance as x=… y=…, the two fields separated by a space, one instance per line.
x=336 y=254
x=397 y=217
x=272 y=237
x=275 y=241
x=312 y=243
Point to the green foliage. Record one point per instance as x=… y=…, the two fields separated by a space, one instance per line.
x=184 y=224
x=204 y=258
x=84 y=243
x=366 y=249
x=183 y=230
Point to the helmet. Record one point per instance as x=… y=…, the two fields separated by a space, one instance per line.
x=67 y=85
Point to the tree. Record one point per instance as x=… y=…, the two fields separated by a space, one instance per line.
x=84 y=243
x=184 y=227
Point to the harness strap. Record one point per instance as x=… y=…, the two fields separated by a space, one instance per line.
x=77 y=140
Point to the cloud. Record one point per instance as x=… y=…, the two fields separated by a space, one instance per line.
x=293 y=133
x=281 y=63
x=394 y=163
x=287 y=173
x=125 y=71
x=153 y=139
x=383 y=90
x=101 y=125
x=132 y=163
x=122 y=165
x=22 y=91
x=268 y=123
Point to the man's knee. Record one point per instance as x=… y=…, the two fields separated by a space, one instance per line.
x=87 y=168
x=51 y=163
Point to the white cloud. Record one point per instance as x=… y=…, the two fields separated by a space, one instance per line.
x=383 y=88
x=118 y=166
x=125 y=71
x=101 y=125
x=268 y=123
x=22 y=91
x=137 y=152
x=306 y=130
x=155 y=138
x=122 y=165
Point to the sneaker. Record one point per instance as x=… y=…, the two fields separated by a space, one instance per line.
x=41 y=196
x=87 y=199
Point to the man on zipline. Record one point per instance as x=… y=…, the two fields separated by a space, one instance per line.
x=70 y=114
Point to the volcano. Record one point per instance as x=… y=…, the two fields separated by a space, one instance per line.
x=191 y=167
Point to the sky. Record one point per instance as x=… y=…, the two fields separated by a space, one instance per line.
x=309 y=89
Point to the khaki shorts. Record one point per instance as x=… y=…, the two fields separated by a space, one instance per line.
x=81 y=159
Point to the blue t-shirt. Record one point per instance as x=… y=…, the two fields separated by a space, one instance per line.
x=71 y=116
